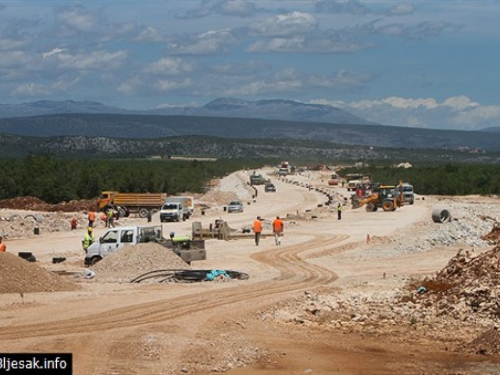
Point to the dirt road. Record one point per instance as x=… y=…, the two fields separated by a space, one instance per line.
x=122 y=328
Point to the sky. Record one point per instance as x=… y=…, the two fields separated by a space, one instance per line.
x=421 y=63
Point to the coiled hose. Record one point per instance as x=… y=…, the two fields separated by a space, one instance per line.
x=187 y=276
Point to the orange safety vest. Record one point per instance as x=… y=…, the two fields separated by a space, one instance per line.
x=3 y=247
x=257 y=226
x=92 y=216
x=278 y=225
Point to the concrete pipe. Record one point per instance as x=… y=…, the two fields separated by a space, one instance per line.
x=440 y=215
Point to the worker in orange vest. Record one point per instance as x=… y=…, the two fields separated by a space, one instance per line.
x=91 y=219
x=3 y=246
x=278 y=227
x=257 y=229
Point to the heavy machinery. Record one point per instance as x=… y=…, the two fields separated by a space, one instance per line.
x=387 y=197
x=126 y=203
x=257 y=179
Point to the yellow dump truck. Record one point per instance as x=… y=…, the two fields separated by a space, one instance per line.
x=127 y=203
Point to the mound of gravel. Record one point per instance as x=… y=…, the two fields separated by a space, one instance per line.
x=133 y=261
x=20 y=276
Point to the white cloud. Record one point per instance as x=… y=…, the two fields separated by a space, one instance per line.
x=96 y=60
x=172 y=85
x=29 y=89
x=169 y=66
x=314 y=43
x=210 y=42
x=457 y=112
x=240 y=8
x=14 y=59
x=460 y=102
x=284 y=25
x=78 y=18
x=356 y=7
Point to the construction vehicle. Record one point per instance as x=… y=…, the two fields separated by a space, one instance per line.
x=177 y=209
x=334 y=179
x=116 y=238
x=257 y=179
x=354 y=180
x=387 y=197
x=127 y=203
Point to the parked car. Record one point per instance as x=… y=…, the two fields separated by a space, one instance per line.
x=269 y=187
x=235 y=206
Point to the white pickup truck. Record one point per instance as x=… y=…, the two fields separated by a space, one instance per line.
x=116 y=238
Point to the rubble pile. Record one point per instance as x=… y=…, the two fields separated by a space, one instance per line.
x=467 y=288
x=18 y=224
x=133 y=261
x=494 y=236
x=467 y=227
x=35 y=204
x=20 y=276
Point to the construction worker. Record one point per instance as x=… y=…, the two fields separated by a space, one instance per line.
x=104 y=218
x=88 y=239
x=91 y=219
x=339 y=211
x=257 y=229
x=74 y=223
x=278 y=227
x=111 y=215
x=3 y=246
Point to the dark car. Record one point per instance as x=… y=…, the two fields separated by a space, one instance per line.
x=270 y=188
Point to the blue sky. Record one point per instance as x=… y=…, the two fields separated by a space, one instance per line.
x=431 y=64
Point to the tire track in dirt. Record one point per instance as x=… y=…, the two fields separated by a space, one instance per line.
x=295 y=275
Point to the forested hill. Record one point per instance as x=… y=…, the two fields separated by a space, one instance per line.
x=12 y=146
x=153 y=126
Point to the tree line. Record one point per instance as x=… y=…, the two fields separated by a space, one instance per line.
x=56 y=180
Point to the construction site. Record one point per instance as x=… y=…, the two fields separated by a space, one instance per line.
x=406 y=289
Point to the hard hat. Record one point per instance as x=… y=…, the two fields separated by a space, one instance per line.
x=90 y=229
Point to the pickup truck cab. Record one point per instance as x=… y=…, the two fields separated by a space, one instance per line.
x=115 y=238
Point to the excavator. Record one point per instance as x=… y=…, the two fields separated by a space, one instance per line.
x=387 y=197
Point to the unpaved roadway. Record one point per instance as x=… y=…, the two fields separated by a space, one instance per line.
x=200 y=328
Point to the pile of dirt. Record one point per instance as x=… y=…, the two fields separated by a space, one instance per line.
x=488 y=343
x=467 y=285
x=493 y=237
x=133 y=261
x=35 y=204
x=20 y=276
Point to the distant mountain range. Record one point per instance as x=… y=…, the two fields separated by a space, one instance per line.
x=230 y=118
x=264 y=109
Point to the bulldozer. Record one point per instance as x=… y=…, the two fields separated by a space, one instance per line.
x=386 y=197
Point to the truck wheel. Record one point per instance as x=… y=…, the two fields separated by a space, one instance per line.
x=388 y=205
x=143 y=212
x=122 y=212
x=94 y=261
